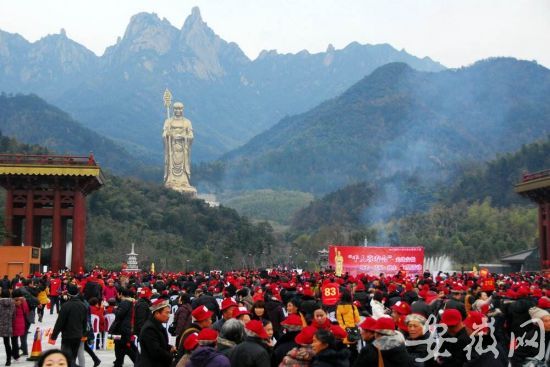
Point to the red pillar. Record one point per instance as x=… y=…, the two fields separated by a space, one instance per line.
x=63 y=252
x=58 y=248
x=8 y=217
x=29 y=219
x=79 y=231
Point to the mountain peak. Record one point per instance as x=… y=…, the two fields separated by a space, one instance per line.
x=193 y=20
x=196 y=13
x=62 y=32
x=146 y=31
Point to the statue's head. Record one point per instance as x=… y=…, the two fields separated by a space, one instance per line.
x=178 y=109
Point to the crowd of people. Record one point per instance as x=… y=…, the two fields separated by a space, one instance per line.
x=277 y=317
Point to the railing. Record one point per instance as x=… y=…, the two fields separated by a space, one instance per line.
x=533 y=176
x=56 y=160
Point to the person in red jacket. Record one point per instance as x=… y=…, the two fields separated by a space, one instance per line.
x=55 y=283
x=19 y=325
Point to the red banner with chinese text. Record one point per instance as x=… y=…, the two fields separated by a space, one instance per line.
x=375 y=260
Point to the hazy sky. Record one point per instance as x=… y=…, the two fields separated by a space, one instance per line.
x=454 y=33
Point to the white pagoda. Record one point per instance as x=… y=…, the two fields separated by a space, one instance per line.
x=132 y=261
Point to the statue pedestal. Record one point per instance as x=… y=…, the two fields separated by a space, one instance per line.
x=186 y=190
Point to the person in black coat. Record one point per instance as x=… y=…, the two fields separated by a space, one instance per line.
x=71 y=322
x=253 y=351
x=142 y=312
x=326 y=354
x=123 y=326
x=153 y=339
x=457 y=353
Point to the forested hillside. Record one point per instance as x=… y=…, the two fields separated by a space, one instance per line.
x=478 y=218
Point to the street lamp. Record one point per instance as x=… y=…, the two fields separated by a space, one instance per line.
x=187 y=266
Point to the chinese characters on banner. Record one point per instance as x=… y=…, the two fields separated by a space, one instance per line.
x=376 y=260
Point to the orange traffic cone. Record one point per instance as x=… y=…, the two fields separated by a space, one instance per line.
x=36 y=346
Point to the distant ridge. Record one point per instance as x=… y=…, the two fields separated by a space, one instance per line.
x=399 y=120
x=229 y=97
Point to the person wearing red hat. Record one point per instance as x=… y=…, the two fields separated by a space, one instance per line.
x=242 y=314
x=400 y=310
x=303 y=354
x=476 y=327
x=153 y=340
x=390 y=344
x=452 y=318
x=227 y=307
x=253 y=351
x=292 y=326
x=368 y=356
x=191 y=343
x=202 y=319
x=206 y=355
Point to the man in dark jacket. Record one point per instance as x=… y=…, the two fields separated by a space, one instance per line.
x=457 y=353
x=142 y=311
x=71 y=323
x=153 y=339
x=253 y=352
x=123 y=328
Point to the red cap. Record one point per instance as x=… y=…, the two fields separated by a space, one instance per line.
x=228 y=302
x=257 y=328
x=201 y=313
x=360 y=287
x=306 y=335
x=207 y=334
x=191 y=342
x=385 y=325
x=544 y=303
x=145 y=292
x=292 y=320
x=402 y=308
x=474 y=321
x=338 y=332
x=239 y=311
x=523 y=291
x=451 y=317
x=258 y=296
x=368 y=324
x=308 y=292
